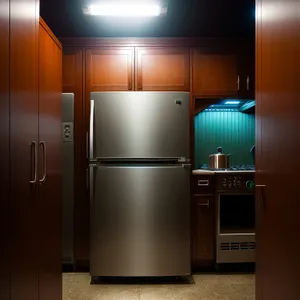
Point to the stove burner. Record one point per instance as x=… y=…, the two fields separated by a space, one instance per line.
x=232 y=168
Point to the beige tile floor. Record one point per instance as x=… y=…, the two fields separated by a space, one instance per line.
x=76 y=286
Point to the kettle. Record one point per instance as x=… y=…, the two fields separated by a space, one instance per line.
x=219 y=160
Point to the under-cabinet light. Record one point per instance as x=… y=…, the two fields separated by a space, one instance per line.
x=232 y=102
x=118 y=9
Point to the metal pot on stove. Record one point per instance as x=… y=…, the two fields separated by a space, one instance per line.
x=219 y=160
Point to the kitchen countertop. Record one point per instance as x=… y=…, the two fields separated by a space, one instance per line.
x=209 y=172
x=203 y=172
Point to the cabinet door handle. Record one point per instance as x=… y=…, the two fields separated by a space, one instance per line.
x=262 y=186
x=204 y=204
x=248 y=83
x=43 y=179
x=238 y=82
x=202 y=182
x=33 y=162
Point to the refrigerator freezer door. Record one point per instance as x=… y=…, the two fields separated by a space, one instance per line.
x=140 y=221
x=139 y=125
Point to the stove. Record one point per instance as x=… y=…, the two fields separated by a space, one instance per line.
x=235 y=192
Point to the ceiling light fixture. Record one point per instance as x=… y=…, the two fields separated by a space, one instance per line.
x=127 y=9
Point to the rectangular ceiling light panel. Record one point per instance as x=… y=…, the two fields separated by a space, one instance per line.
x=125 y=8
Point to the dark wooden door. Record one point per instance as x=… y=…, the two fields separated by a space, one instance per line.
x=204 y=234
x=4 y=152
x=214 y=74
x=23 y=148
x=50 y=168
x=277 y=180
x=162 y=69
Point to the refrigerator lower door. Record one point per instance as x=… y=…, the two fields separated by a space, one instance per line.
x=140 y=221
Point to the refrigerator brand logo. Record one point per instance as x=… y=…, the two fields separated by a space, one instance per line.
x=178 y=102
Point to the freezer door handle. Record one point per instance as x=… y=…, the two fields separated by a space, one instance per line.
x=92 y=116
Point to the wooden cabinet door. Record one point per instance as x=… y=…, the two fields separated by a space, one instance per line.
x=4 y=153
x=50 y=166
x=73 y=83
x=246 y=71
x=204 y=235
x=214 y=75
x=277 y=174
x=162 y=69
x=24 y=21
x=109 y=69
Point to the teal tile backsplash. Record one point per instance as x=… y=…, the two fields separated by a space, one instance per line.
x=232 y=130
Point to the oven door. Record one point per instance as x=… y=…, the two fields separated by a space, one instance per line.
x=235 y=227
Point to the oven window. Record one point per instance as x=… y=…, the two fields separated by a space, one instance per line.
x=237 y=213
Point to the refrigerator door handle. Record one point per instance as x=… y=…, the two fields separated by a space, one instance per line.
x=91 y=142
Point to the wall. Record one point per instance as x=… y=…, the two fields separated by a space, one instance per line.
x=232 y=130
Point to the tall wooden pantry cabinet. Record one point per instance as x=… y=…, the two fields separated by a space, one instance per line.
x=30 y=108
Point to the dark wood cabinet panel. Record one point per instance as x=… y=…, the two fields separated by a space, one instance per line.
x=24 y=22
x=162 y=69
x=214 y=75
x=203 y=230
x=109 y=69
x=246 y=70
x=4 y=153
x=50 y=165
x=277 y=176
x=73 y=82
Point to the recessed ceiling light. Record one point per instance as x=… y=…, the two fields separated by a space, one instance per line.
x=125 y=9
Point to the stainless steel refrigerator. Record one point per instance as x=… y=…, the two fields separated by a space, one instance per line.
x=139 y=184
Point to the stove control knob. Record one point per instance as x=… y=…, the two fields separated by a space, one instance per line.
x=250 y=184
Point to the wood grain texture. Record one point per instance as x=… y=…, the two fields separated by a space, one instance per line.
x=50 y=191
x=109 y=69
x=4 y=153
x=162 y=69
x=203 y=226
x=204 y=231
x=278 y=106
x=73 y=81
x=214 y=75
x=24 y=20
x=220 y=43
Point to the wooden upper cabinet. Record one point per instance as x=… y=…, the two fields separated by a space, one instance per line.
x=109 y=69
x=162 y=69
x=72 y=70
x=215 y=75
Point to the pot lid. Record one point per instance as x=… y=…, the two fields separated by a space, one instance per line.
x=219 y=149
